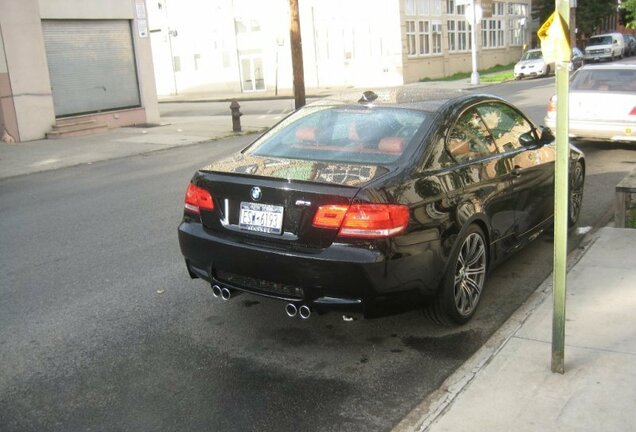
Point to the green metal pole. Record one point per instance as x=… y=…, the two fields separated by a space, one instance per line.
x=561 y=198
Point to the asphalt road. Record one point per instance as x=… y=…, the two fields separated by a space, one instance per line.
x=101 y=328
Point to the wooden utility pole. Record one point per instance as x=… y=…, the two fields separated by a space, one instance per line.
x=297 y=55
x=562 y=9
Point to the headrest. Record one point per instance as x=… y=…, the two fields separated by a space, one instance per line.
x=393 y=145
x=306 y=133
x=367 y=130
x=353 y=132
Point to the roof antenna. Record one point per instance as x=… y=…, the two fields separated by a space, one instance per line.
x=367 y=97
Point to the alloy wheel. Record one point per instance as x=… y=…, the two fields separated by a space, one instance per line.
x=470 y=273
x=576 y=194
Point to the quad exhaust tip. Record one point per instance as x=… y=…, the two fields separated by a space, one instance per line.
x=304 y=312
x=291 y=310
x=219 y=291
x=226 y=294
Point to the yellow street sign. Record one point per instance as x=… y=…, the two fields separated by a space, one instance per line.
x=554 y=37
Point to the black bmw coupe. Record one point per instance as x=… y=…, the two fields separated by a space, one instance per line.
x=360 y=204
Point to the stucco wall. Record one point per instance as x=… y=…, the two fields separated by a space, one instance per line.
x=26 y=100
x=115 y=9
x=440 y=66
x=27 y=68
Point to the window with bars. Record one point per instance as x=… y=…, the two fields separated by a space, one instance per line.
x=436 y=36
x=517 y=23
x=464 y=39
x=411 y=40
x=423 y=37
x=423 y=8
x=451 y=33
x=492 y=33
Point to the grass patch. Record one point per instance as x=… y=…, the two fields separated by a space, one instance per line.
x=496 y=73
x=498 y=77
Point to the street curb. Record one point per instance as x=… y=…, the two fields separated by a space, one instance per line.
x=436 y=404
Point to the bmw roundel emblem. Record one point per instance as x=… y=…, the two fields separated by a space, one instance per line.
x=256 y=193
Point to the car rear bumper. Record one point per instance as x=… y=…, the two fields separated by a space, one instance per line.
x=598 y=131
x=598 y=57
x=342 y=276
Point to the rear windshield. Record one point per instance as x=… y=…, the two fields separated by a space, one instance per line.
x=532 y=55
x=603 y=40
x=376 y=135
x=610 y=80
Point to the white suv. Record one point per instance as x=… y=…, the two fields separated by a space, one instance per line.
x=608 y=46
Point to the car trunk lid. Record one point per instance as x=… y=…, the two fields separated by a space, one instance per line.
x=272 y=201
x=615 y=106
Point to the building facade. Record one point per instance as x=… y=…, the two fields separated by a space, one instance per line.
x=243 y=45
x=79 y=62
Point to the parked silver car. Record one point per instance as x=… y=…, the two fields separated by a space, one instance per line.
x=602 y=103
x=532 y=64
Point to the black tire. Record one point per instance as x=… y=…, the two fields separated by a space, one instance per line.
x=575 y=193
x=463 y=283
x=547 y=70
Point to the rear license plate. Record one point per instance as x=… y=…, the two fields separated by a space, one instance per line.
x=263 y=218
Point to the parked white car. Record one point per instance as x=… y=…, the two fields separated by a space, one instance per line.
x=602 y=103
x=608 y=46
x=532 y=64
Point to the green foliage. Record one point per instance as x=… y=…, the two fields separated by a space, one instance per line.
x=589 y=13
x=462 y=75
x=629 y=6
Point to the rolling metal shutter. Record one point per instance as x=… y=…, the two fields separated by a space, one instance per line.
x=91 y=65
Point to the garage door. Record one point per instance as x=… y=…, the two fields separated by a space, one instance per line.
x=91 y=65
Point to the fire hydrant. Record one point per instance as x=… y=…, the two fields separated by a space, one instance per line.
x=236 y=116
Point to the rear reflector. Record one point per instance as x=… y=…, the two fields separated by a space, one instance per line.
x=197 y=198
x=633 y=111
x=363 y=220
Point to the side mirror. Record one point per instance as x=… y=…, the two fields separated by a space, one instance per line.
x=527 y=140
x=546 y=135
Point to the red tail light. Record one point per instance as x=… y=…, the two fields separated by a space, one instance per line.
x=197 y=198
x=363 y=220
x=633 y=111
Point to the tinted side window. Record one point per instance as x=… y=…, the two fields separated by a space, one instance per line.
x=505 y=124
x=469 y=138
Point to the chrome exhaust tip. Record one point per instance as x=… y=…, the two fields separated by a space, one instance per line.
x=216 y=291
x=226 y=294
x=304 y=312
x=291 y=310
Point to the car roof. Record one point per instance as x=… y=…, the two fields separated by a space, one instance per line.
x=606 y=34
x=417 y=98
x=609 y=66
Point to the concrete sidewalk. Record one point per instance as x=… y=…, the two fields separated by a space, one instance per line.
x=50 y=154
x=508 y=386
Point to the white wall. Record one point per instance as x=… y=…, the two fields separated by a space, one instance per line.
x=3 y=60
x=27 y=67
x=345 y=42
